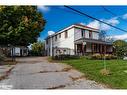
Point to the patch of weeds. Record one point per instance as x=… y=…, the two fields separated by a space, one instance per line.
x=105 y=72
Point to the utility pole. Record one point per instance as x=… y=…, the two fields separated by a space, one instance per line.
x=104 y=52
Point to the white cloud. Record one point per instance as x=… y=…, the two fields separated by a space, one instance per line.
x=105 y=27
x=43 y=8
x=82 y=23
x=96 y=24
x=113 y=21
x=124 y=16
x=51 y=32
x=120 y=37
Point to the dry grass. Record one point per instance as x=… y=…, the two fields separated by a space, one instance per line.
x=105 y=72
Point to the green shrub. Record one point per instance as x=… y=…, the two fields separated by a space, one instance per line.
x=96 y=56
x=102 y=56
x=74 y=57
x=109 y=56
x=35 y=53
x=114 y=57
x=65 y=57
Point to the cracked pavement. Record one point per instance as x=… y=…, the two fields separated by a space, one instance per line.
x=38 y=73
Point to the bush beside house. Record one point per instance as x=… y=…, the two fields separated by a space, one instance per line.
x=92 y=57
x=65 y=57
x=103 y=56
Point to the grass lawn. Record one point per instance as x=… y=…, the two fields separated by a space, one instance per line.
x=91 y=68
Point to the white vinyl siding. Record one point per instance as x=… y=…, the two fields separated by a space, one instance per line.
x=77 y=33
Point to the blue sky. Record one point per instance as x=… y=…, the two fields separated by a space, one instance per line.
x=59 y=17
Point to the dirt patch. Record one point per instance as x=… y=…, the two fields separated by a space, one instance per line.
x=76 y=78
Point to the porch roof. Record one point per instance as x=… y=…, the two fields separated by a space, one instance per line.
x=92 y=41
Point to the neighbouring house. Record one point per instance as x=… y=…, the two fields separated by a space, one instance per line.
x=19 y=51
x=76 y=39
x=14 y=51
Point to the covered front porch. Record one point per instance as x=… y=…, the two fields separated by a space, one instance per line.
x=84 y=47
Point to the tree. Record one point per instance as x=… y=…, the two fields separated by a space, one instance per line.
x=20 y=25
x=38 y=48
x=120 y=48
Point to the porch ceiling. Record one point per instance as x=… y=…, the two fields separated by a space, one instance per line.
x=92 y=41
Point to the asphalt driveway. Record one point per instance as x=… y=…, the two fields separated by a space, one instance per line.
x=38 y=73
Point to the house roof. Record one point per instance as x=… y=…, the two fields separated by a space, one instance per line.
x=93 y=41
x=86 y=26
x=77 y=26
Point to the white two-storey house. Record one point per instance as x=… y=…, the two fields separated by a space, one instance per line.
x=76 y=39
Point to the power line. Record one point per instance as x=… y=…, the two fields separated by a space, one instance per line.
x=107 y=10
x=79 y=12
x=72 y=12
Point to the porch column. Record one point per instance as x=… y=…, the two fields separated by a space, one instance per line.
x=82 y=49
x=101 y=48
x=75 y=48
x=105 y=49
x=92 y=47
x=98 y=48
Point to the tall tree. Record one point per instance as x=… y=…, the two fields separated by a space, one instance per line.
x=120 y=48
x=119 y=43
x=20 y=25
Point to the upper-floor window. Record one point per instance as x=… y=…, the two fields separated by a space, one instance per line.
x=60 y=35
x=47 y=41
x=66 y=34
x=95 y=35
x=55 y=37
x=90 y=34
x=83 y=33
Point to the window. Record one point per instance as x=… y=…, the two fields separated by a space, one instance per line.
x=90 y=34
x=60 y=35
x=47 y=41
x=64 y=50
x=66 y=34
x=56 y=38
x=83 y=33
